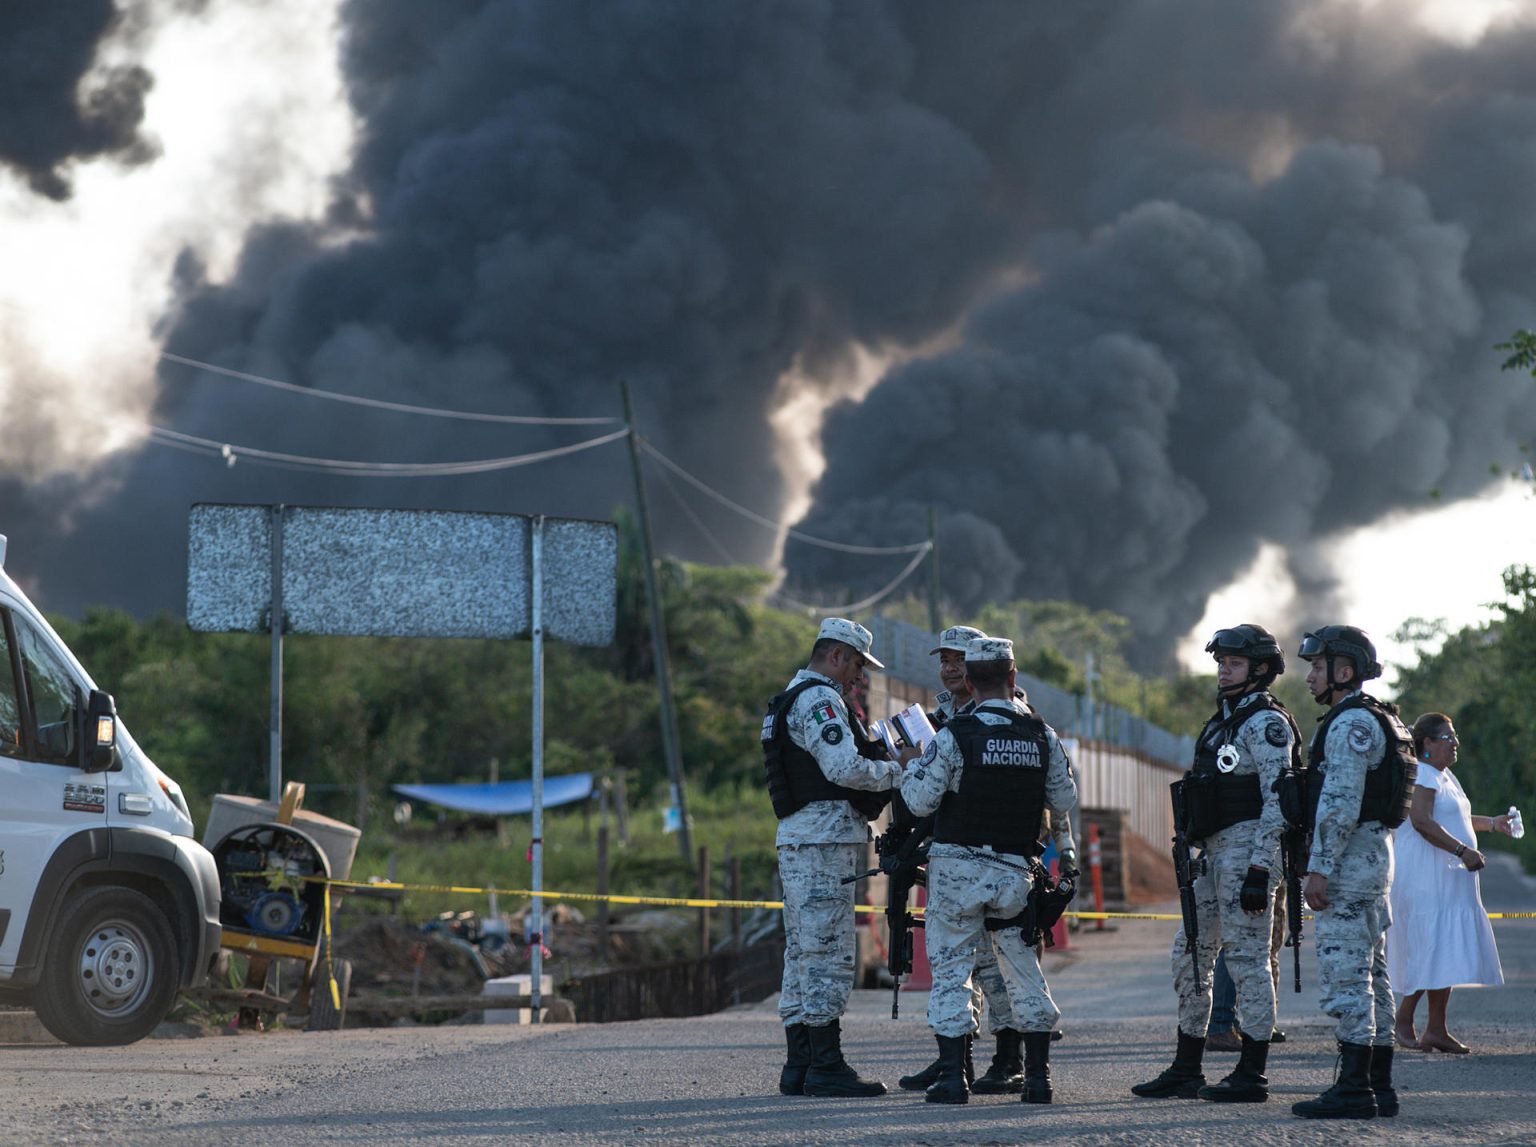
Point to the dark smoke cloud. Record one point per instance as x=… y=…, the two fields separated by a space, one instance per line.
x=60 y=105
x=1210 y=355
x=1208 y=274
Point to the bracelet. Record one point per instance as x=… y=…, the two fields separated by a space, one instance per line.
x=1460 y=848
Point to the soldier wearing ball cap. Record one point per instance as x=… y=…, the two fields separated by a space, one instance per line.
x=1233 y=811
x=824 y=793
x=956 y=694
x=1006 y=1074
x=989 y=774
x=1360 y=766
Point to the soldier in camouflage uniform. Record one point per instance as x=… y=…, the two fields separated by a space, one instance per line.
x=1356 y=791
x=990 y=775
x=1007 y=1071
x=825 y=792
x=1234 y=811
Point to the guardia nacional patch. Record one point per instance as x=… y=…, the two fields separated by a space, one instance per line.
x=1277 y=732
x=832 y=734
x=930 y=754
x=1361 y=738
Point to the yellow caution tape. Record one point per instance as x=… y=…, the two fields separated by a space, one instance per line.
x=700 y=902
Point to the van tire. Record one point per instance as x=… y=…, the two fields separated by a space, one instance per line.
x=110 y=972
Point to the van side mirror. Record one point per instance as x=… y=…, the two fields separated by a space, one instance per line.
x=99 y=738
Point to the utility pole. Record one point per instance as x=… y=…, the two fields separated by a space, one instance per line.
x=669 y=736
x=933 y=571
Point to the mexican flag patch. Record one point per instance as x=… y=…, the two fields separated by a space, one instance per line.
x=824 y=713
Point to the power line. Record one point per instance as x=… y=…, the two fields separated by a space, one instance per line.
x=352 y=469
x=380 y=404
x=698 y=484
x=875 y=598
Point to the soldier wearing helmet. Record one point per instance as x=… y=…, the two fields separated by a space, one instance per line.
x=1359 y=770
x=1234 y=811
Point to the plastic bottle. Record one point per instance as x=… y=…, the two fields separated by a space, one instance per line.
x=1516 y=825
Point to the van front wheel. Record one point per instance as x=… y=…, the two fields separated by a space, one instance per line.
x=110 y=973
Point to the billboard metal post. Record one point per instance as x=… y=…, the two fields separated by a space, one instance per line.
x=536 y=631
x=275 y=753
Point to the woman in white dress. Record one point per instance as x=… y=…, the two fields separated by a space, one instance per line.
x=1440 y=936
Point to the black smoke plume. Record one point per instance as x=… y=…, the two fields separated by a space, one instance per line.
x=62 y=105
x=1198 y=275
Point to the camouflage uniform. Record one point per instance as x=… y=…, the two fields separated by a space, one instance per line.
x=1356 y=859
x=1263 y=743
x=966 y=885
x=818 y=846
x=987 y=984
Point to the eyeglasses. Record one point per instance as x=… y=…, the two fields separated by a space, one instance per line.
x=1451 y=737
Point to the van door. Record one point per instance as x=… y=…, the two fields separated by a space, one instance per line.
x=44 y=796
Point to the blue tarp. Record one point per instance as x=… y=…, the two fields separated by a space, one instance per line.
x=507 y=798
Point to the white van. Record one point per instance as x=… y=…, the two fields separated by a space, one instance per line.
x=108 y=906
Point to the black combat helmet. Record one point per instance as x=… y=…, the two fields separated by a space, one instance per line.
x=1347 y=641
x=1255 y=643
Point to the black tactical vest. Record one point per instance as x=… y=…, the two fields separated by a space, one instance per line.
x=1002 y=786
x=1214 y=800
x=794 y=778
x=1388 y=782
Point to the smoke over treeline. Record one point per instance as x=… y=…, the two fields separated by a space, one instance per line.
x=1163 y=282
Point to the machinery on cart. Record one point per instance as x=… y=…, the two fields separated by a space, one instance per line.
x=275 y=905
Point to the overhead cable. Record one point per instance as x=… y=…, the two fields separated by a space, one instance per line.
x=380 y=404
x=232 y=453
x=843 y=547
x=874 y=598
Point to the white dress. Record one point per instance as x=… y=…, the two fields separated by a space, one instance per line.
x=1440 y=935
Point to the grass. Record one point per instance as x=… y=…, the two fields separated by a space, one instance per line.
x=731 y=824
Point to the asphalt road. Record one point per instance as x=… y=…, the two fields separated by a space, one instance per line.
x=713 y=1079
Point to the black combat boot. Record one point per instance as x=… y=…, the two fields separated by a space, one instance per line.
x=792 y=1078
x=1350 y=1096
x=829 y=1074
x=1247 y=1084
x=951 y=1085
x=1037 y=1067
x=1182 y=1080
x=922 y=1080
x=1381 y=1081
x=1007 y=1071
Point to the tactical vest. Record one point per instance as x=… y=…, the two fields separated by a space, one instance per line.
x=794 y=778
x=1002 y=786
x=1214 y=800
x=1388 y=783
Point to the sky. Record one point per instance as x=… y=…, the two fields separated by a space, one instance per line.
x=833 y=271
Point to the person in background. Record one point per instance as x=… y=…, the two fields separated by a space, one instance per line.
x=1440 y=936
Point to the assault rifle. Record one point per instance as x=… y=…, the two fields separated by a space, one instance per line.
x=1185 y=869
x=1293 y=860
x=902 y=849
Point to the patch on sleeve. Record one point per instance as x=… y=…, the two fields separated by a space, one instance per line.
x=1277 y=732
x=823 y=713
x=832 y=734
x=931 y=753
x=920 y=774
x=1362 y=737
